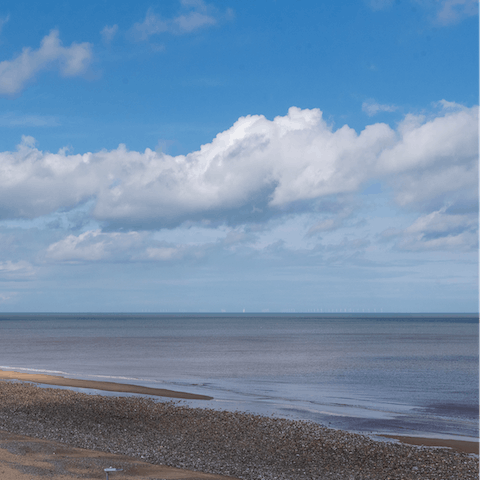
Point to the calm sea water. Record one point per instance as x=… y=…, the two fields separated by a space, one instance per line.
x=401 y=374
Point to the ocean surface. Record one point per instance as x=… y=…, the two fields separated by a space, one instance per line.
x=398 y=374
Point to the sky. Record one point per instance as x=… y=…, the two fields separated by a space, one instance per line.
x=223 y=156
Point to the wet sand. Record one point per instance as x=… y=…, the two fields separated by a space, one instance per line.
x=457 y=445
x=96 y=385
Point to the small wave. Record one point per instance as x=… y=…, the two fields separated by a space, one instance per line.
x=323 y=412
x=37 y=370
x=115 y=377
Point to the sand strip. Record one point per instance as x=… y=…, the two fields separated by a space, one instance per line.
x=458 y=445
x=93 y=384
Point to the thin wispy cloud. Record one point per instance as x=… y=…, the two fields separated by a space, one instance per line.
x=441 y=12
x=195 y=15
x=108 y=33
x=69 y=61
x=380 y=4
x=371 y=108
x=3 y=21
x=453 y=11
x=93 y=245
x=436 y=231
x=96 y=246
x=4 y=297
x=12 y=270
x=13 y=119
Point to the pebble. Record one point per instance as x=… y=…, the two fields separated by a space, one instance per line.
x=241 y=445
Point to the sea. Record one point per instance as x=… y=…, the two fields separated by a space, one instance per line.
x=411 y=374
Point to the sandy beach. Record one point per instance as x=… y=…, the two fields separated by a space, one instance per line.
x=152 y=440
x=457 y=445
x=96 y=385
x=26 y=458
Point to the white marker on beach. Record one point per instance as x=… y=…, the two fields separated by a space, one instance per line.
x=111 y=469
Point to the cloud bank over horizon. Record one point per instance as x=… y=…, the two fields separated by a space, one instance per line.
x=253 y=183
x=258 y=165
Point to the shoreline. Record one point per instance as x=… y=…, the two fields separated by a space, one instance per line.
x=464 y=446
x=232 y=444
x=97 y=385
x=458 y=445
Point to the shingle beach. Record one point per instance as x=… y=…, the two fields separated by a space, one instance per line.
x=236 y=444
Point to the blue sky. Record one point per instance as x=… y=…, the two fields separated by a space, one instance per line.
x=218 y=156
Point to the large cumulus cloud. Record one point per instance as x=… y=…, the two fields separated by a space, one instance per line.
x=434 y=162
x=257 y=164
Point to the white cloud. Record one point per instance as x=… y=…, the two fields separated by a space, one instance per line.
x=196 y=14
x=92 y=245
x=193 y=21
x=164 y=253
x=95 y=245
x=42 y=183
x=434 y=160
x=453 y=11
x=324 y=226
x=3 y=21
x=81 y=247
x=443 y=12
x=440 y=222
x=380 y=4
x=463 y=241
x=371 y=108
x=291 y=158
x=333 y=217
x=170 y=253
x=255 y=169
x=451 y=106
x=440 y=230
x=16 y=270
x=13 y=119
x=70 y=61
x=4 y=297
x=152 y=25
x=109 y=32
